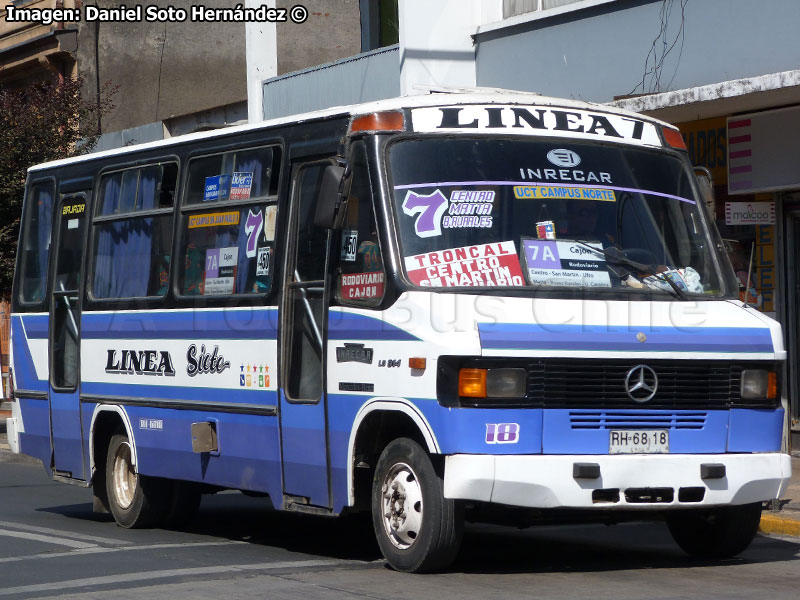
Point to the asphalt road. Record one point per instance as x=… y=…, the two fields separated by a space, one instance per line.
x=53 y=546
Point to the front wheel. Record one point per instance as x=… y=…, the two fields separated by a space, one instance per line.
x=715 y=533
x=417 y=528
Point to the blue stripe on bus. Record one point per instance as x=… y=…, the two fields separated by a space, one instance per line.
x=169 y=392
x=254 y=324
x=351 y=326
x=522 y=336
x=23 y=361
x=225 y=325
x=36 y=326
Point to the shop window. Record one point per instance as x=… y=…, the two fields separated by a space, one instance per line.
x=379 y=24
x=361 y=275
x=36 y=242
x=133 y=232
x=230 y=211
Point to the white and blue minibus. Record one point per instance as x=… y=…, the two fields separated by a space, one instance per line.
x=436 y=309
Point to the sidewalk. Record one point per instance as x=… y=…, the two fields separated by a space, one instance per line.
x=782 y=522
x=787 y=520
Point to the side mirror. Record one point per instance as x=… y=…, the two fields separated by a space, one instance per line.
x=706 y=184
x=332 y=192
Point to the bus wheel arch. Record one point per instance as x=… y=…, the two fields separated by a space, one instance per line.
x=106 y=421
x=377 y=423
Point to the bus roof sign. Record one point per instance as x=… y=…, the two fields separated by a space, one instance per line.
x=536 y=120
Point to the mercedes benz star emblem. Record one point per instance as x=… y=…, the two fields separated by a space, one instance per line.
x=641 y=383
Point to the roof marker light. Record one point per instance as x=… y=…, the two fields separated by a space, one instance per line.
x=674 y=138
x=380 y=121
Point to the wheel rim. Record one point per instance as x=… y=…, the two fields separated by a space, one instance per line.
x=401 y=500
x=123 y=476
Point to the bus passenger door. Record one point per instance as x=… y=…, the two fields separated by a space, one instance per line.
x=64 y=343
x=303 y=414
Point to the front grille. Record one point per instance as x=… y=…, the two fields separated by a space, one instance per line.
x=644 y=419
x=599 y=384
x=560 y=383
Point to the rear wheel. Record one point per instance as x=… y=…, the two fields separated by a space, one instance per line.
x=715 y=533
x=417 y=528
x=135 y=500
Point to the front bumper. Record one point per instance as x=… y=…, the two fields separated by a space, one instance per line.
x=548 y=481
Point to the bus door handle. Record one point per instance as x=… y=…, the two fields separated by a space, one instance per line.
x=72 y=325
x=303 y=288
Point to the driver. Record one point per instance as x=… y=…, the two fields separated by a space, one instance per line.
x=583 y=218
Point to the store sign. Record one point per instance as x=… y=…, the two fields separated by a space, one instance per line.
x=749 y=213
x=762 y=153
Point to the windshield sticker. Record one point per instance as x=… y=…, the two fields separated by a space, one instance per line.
x=241 y=183
x=546 y=230
x=370 y=256
x=349 y=245
x=252 y=227
x=481 y=265
x=360 y=286
x=465 y=209
x=565 y=263
x=213 y=220
x=469 y=209
x=262 y=264
x=270 y=217
x=545 y=192
x=216 y=188
x=220 y=270
x=429 y=209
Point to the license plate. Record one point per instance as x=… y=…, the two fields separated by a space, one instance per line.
x=626 y=441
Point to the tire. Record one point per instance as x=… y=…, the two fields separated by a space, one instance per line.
x=136 y=501
x=715 y=533
x=184 y=501
x=417 y=528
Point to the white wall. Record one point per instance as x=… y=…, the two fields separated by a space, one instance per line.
x=436 y=46
x=262 y=60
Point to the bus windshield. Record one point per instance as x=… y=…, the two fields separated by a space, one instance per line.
x=550 y=214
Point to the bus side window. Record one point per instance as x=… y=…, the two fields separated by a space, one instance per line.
x=133 y=232
x=229 y=214
x=36 y=242
x=361 y=275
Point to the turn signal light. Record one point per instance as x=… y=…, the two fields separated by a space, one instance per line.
x=381 y=121
x=417 y=363
x=472 y=383
x=673 y=138
x=772 y=385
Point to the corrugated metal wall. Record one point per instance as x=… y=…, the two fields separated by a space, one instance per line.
x=362 y=78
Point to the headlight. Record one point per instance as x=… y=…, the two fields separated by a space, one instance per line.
x=758 y=383
x=491 y=383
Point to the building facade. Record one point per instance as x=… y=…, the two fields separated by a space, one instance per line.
x=172 y=76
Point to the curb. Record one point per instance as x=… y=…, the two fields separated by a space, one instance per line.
x=781 y=525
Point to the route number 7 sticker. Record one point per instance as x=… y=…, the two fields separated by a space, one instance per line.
x=430 y=209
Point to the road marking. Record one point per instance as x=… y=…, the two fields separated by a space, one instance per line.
x=66 y=534
x=170 y=573
x=47 y=539
x=100 y=550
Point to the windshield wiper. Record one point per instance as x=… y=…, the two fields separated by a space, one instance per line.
x=615 y=255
